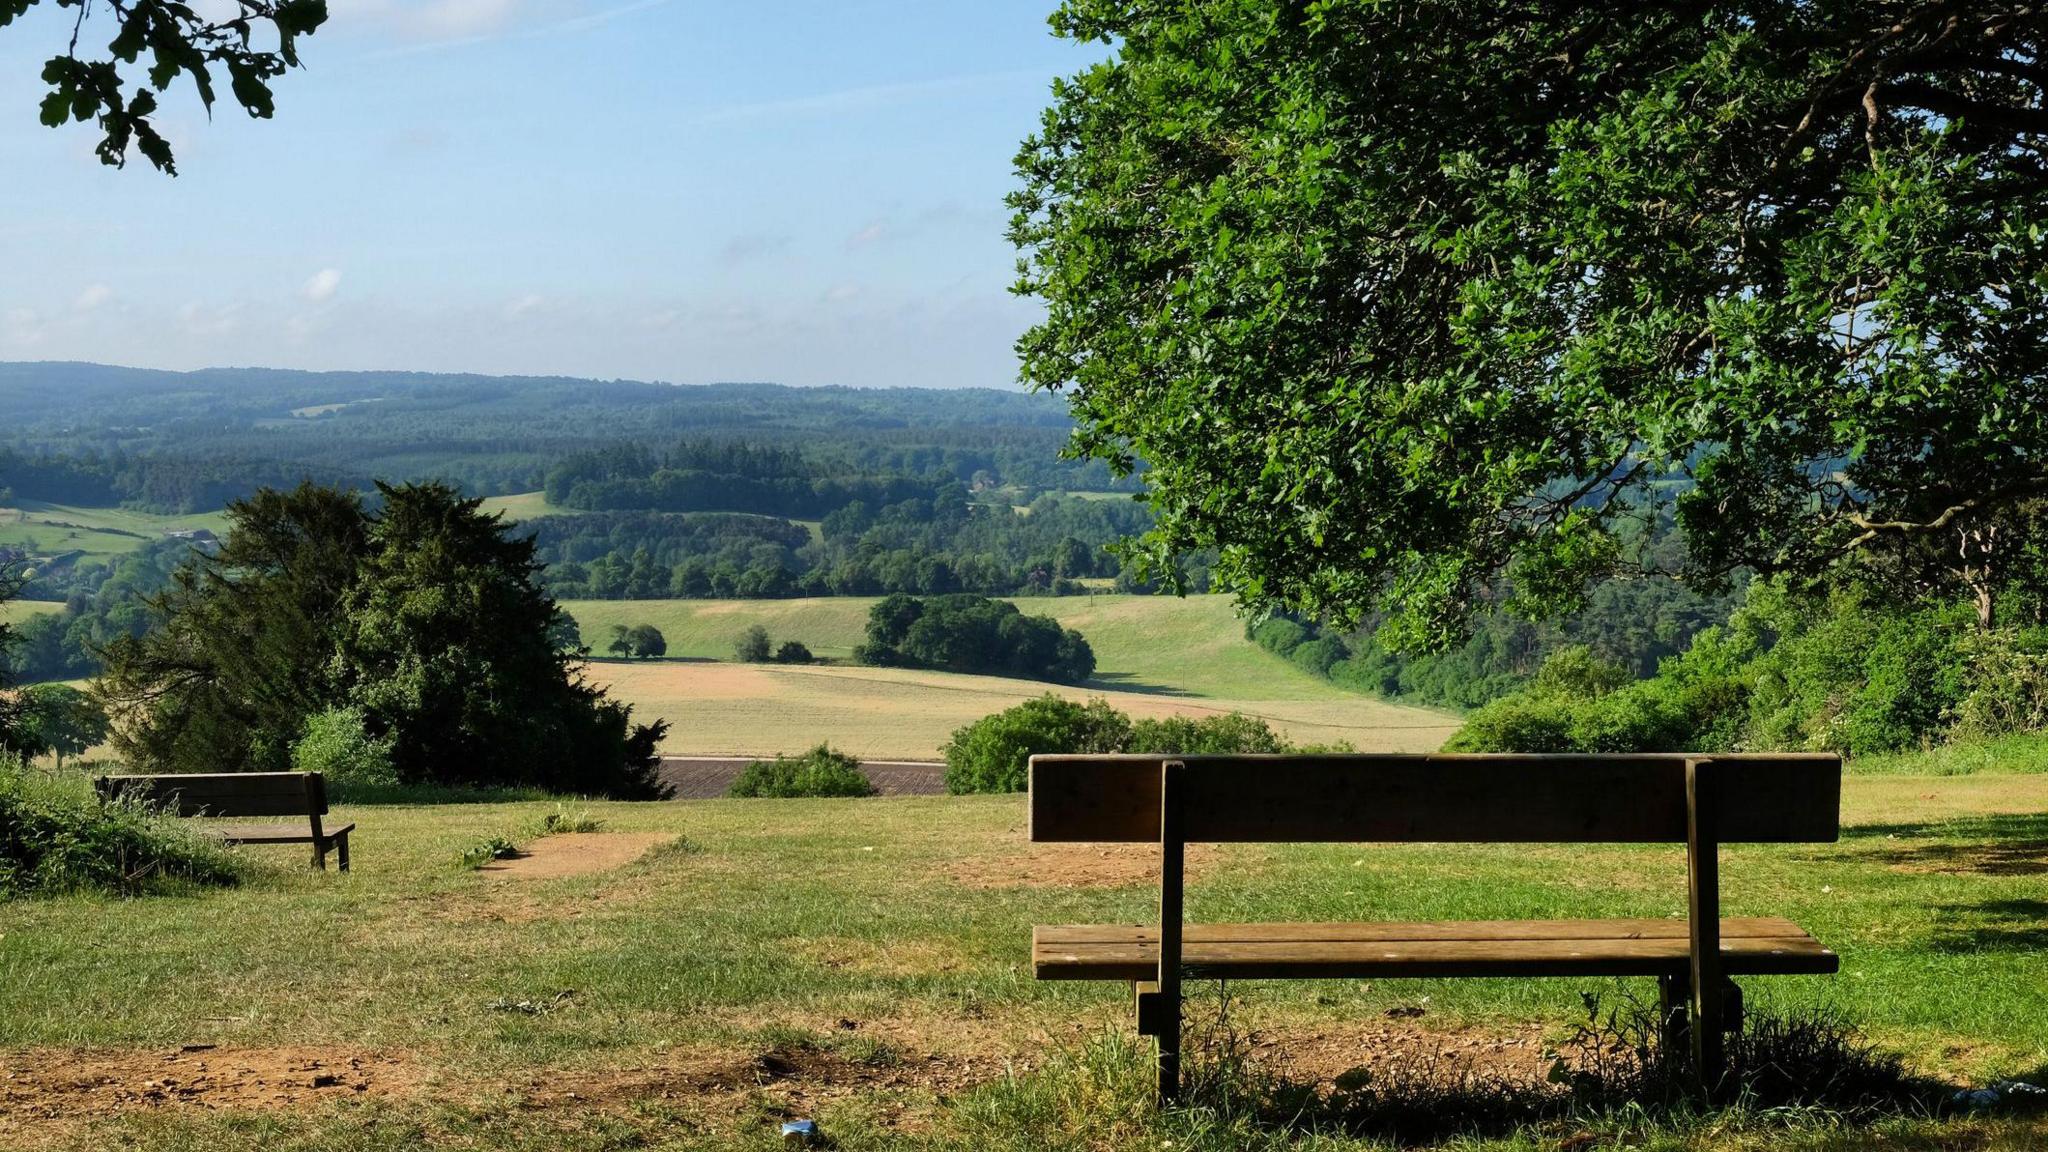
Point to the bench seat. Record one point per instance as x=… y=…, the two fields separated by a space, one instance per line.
x=1749 y=946
x=272 y=833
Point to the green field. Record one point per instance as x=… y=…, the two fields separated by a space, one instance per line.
x=864 y=963
x=95 y=533
x=1155 y=655
x=16 y=611
x=525 y=506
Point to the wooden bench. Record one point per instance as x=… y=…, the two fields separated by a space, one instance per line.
x=239 y=794
x=1699 y=801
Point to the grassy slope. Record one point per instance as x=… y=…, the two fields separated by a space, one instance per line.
x=1155 y=655
x=525 y=506
x=794 y=915
x=16 y=611
x=97 y=532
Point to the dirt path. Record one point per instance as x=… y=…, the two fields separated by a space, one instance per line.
x=575 y=854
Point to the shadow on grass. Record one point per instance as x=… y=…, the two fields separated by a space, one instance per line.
x=1125 y=682
x=1993 y=926
x=1608 y=1083
x=2003 y=845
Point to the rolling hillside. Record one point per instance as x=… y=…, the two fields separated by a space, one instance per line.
x=1156 y=655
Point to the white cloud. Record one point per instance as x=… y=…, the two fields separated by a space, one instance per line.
x=199 y=320
x=524 y=305
x=92 y=297
x=867 y=235
x=322 y=286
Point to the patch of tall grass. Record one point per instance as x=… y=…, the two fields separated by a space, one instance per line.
x=57 y=837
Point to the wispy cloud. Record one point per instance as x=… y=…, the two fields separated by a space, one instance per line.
x=322 y=286
x=750 y=246
x=91 y=297
x=868 y=235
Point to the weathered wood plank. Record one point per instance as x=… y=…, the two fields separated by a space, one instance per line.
x=1436 y=797
x=1269 y=959
x=1372 y=931
x=225 y=793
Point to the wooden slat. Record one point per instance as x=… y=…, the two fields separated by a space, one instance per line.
x=1135 y=959
x=1437 y=797
x=1371 y=931
x=226 y=793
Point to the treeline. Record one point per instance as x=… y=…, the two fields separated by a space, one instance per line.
x=926 y=545
x=170 y=483
x=1630 y=625
x=702 y=476
x=1845 y=670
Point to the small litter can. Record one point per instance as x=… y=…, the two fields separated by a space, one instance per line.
x=800 y=1133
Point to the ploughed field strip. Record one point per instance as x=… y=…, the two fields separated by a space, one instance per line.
x=1750 y=946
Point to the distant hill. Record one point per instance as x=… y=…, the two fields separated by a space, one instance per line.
x=74 y=433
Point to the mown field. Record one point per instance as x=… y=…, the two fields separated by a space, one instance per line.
x=865 y=963
x=1156 y=655
x=57 y=529
x=16 y=611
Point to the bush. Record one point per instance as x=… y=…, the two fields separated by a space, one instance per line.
x=336 y=746
x=752 y=646
x=1232 y=734
x=1280 y=635
x=55 y=837
x=822 y=771
x=1317 y=657
x=793 y=652
x=991 y=754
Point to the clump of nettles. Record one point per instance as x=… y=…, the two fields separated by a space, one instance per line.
x=57 y=836
x=822 y=771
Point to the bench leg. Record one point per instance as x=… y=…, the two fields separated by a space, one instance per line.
x=320 y=855
x=1674 y=1015
x=1159 y=1018
x=341 y=851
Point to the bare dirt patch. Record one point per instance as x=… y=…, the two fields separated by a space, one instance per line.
x=1432 y=1052
x=1074 y=866
x=68 y=1085
x=576 y=854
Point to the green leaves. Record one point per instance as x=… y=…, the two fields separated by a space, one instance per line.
x=178 y=43
x=1406 y=307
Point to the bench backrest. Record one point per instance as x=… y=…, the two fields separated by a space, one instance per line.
x=226 y=793
x=1474 y=798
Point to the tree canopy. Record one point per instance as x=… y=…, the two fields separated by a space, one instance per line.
x=1405 y=306
x=252 y=46
x=422 y=621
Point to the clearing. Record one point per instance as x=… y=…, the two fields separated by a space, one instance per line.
x=92 y=533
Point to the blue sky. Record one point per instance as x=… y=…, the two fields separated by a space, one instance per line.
x=803 y=192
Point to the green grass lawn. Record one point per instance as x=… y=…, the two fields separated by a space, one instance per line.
x=865 y=962
x=525 y=506
x=97 y=533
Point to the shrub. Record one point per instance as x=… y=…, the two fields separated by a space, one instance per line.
x=1280 y=635
x=647 y=641
x=336 y=746
x=991 y=754
x=1318 y=656
x=752 y=646
x=484 y=851
x=1231 y=734
x=55 y=836
x=793 y=652
x=822 y=771
x=60 y=719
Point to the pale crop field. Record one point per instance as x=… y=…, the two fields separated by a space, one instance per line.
x=16 y=611
x=1156 y=656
